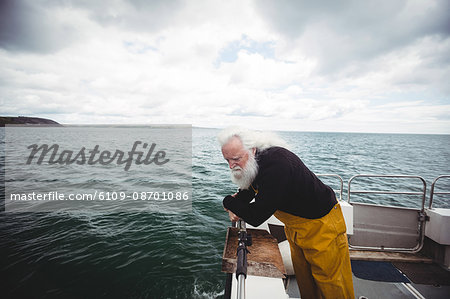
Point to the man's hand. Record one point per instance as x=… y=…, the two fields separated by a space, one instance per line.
x=233 y=216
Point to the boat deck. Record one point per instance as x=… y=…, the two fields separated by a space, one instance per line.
x=386 y=280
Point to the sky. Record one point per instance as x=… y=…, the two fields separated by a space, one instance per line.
x=331 y=66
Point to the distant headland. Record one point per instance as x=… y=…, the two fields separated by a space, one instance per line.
x=23 y=120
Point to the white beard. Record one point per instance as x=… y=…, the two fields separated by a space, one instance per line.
x=243 y=177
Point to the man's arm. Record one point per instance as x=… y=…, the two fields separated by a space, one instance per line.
x=244 y=195
x=273 y=182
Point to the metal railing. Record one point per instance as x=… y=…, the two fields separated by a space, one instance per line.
x=423 y=193
x=422 y=216
x=339 y=191
x=432 y=193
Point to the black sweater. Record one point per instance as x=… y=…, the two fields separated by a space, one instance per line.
x=283 y=183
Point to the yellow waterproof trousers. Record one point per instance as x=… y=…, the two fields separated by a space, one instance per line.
x=320 y=254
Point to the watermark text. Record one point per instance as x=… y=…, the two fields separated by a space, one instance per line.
x=94 y=156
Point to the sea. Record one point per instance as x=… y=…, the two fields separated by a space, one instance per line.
x=159 y=253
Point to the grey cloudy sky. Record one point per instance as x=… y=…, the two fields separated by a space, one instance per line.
x=364 y=66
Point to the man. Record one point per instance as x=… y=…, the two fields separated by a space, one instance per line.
x=282 y=185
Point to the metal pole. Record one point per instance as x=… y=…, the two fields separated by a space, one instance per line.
x=241 y=287
x=241 y=260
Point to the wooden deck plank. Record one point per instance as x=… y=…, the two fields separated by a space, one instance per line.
x=385 y=256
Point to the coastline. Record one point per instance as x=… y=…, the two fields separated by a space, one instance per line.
x=24 y=120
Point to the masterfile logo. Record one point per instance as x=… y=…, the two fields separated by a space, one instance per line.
x=94 y=156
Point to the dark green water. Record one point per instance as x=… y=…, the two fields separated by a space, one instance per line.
x=178 y=255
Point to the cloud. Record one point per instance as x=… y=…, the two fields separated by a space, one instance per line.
x=278 y=65
x=133 y=15
x=342 y=33
x=26 y=26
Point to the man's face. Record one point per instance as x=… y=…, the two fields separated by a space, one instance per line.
x=243 y=165
x=235 y=154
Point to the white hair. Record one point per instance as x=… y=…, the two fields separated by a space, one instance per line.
x=251 y=139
